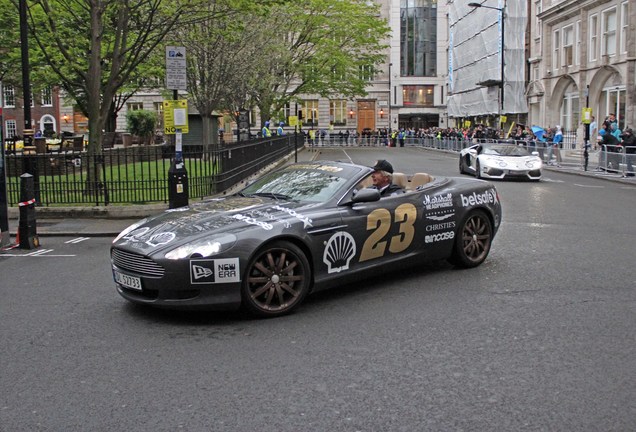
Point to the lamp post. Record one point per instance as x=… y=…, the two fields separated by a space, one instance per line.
x=503 y=47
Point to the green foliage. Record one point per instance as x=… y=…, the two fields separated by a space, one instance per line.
x=141 y=122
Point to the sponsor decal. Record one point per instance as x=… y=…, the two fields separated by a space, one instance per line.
x=441 y=217
x=339 y=250
x=266 y=215
x=487 y=197
x=251 y=221
x=304 y=219
x=209 y=271
x=438 y=201
x=432 y=238
x=440 y=226
x=160 y=239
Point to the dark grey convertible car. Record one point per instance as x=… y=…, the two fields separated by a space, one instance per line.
x=304 y=227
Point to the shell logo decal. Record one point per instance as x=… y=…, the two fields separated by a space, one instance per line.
x=340 y=248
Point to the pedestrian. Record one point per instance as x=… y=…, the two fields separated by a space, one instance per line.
x=280 y=131
x=557 y=140
x=265 y=132
x=401 y=136
x=629 y=146
x=593 y=130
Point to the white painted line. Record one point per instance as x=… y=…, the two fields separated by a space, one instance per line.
x=77 y=240
x=589 y=186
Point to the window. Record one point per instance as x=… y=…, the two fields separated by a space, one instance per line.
x=9 y=96
x=418 y=95
x=537 y=23
x=338 y=112
x=310 y=112
x=555 y=50
x=577 y=44
x=367 y=73
x=608 y=32
x=593 y=31
x=10 y=128
x=338 y=73
x=135 y=106
x=47 y=96
x=570 y=111
x=624 y=28
x=568 y=46
x=418 y=37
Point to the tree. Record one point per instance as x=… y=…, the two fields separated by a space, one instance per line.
x=142 y=123
x=318 y=47
x=95 y=47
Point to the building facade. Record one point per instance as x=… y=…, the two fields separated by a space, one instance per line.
x=582 y=54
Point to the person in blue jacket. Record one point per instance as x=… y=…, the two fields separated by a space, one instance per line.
x=280 y=131
x=265 y=132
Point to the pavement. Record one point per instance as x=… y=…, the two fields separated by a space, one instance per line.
x=108 y=221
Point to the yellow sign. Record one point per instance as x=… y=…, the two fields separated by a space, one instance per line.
x=586 y=116
x=467 y=123
x=292 y=120
x=175 y=116
x=503 y=119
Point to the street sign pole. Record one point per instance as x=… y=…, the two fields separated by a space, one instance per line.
x=176 y=79
x=5 y=237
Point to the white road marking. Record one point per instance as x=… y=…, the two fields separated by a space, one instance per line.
x=589 y=186
x=77 y=240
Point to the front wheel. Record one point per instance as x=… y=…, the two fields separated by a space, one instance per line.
x=473 y=240
x=477 y=169
x=277 y=280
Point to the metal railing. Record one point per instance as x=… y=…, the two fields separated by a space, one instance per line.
x=138 y=174
x=617 y=159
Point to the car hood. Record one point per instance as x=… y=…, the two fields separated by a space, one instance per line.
x=228 y=215
x=509 y=161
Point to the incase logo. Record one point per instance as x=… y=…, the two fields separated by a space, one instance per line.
x=448 y=235
x=487 y=197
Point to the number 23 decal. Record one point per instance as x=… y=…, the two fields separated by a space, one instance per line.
x=379 y=222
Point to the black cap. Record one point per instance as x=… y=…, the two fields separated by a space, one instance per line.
x=383 y=165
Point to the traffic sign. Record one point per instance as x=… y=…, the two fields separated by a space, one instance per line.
x=176 y=68
x=175 y=116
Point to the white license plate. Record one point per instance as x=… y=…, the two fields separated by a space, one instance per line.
x=127 y=281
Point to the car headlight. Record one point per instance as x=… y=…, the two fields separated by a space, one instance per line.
x=530 y=164
x=130 y=228
x=202 y=248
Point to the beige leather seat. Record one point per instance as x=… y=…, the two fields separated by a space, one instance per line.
x=401 y=180
x=420 y=179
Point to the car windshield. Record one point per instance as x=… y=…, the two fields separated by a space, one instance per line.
x=505 y=150
x=311 y=183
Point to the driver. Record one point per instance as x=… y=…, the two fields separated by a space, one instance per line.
x=382 y=177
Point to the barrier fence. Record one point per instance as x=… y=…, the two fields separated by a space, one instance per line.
x=138 y=174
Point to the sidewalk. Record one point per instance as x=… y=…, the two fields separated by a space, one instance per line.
x=111 y=220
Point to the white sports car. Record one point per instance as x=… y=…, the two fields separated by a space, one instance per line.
x=500 y=160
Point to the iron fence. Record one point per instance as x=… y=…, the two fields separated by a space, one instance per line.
x=138 y=174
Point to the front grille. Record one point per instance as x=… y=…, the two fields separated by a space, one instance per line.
x=136 y=263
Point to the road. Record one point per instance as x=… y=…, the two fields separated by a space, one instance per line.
x=540 y=337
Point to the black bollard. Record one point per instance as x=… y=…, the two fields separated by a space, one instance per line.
x=177 y=185
x=27 y=228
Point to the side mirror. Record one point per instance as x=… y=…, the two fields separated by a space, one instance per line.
x=365 y=195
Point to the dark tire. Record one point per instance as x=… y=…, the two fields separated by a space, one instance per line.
x=461 y=165
x=473 y=240
x=477 y=169
x=276 y=281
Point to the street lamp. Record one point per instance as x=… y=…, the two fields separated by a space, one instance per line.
x=501 y=83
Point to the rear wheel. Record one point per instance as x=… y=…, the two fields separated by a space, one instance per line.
x=473 y=240
x=276 y=281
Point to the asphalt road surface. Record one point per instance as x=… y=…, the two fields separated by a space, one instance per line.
x=539 y=338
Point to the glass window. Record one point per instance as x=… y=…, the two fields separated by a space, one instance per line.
x=9 y=96
x=568 y=46
x=134 y=106
x=577 y=44
x=367 y=73
x=609 y=32
x=418 y=95
x=624 y=27
x=47 y=96
x=418 y=37
x=338 y=112
x=310 y=112
x=570 y=111
x=10 y=128
x=556 y=47
x=593 y=30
